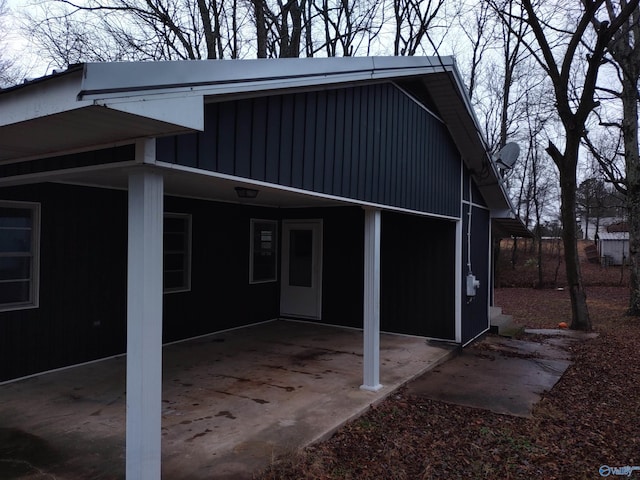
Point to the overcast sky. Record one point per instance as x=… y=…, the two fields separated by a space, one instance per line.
x=17 y=45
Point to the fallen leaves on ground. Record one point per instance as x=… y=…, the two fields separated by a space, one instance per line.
x=590 y=418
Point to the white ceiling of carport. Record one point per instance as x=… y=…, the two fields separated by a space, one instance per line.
x=202 y=186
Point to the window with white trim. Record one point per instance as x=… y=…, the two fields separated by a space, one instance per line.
x=177 y=252
x=19 y=254
x=263 y=251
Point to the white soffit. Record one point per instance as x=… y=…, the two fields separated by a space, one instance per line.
x=72 y=130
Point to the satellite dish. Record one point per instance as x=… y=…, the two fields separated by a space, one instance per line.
x=508 y=155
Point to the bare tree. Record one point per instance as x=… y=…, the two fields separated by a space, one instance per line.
x=606 y=147
x=499 y=72
x=413 y=19
x=347 y=25
x=10 y=71
x=478 y=29
x=101 y=30
x=619 y=141
x=558 y=50
x=625 y=50
x=591 y=198
x=289 y=23
x=540 y=180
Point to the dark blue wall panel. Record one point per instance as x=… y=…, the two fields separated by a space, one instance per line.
x=417 y=285
x=475 y=315
x=83 y=278
x=103 y=156
x=371 y=143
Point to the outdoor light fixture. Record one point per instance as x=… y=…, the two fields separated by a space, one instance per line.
x=246 y=192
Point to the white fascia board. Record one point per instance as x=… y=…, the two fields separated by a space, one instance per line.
x=131 y=76
x=42 y=99
x=222 y=77
x=185 y=111
x=59 y=95
x=412 y=62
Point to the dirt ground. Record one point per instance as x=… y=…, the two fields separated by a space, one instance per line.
x=519 y=267
x=588 y=421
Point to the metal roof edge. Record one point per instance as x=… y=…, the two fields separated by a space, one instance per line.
x=211 y=77
x=27 y=82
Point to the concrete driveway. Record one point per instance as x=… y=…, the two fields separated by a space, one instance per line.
x=231 y=402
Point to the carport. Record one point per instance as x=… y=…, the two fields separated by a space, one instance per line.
x=231 y=402
x=94 y=161
x=52 y=116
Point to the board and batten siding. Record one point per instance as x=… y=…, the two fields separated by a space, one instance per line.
x=82 y=314
x=475 y=315
x=371 y=143
x=417 y=286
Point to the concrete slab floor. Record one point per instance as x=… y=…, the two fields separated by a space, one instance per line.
x=232 y=402
x=500 y=374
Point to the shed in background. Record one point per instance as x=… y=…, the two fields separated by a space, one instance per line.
x=613 y=248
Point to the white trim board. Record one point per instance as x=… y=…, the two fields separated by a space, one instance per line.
x=309 y=193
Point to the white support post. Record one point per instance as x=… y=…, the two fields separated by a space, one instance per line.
x=371 y=310
x=458 y=282
x=144 y=324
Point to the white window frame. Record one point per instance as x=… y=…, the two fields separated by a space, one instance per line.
x=187 y=254
x=253 y=222
x=34 y=290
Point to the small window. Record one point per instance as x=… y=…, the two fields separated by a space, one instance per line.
x=19 y=255
x=263 y=260
x=177 y=252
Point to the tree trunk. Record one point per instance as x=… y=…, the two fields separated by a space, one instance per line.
x=307 y=30
x=632 y=166
x=261 y=28
x=566 y=164
x=397 y=11
x=559 y=261
x=540 y=264
x=209 y=34
x=586 y=223
x=234 y=23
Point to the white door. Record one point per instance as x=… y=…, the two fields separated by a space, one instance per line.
x=301 y=292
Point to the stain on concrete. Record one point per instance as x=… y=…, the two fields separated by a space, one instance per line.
x=22 y=453
x=225 y=413
x=198 y=435
x=245 y=380
x=307 y=356
x=292 y=370
x=233 y=377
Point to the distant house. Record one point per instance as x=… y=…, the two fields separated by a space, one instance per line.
x=613 y=245
x=143 y=203
x=599 y=225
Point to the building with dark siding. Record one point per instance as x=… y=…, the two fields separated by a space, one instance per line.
x=136 y=196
